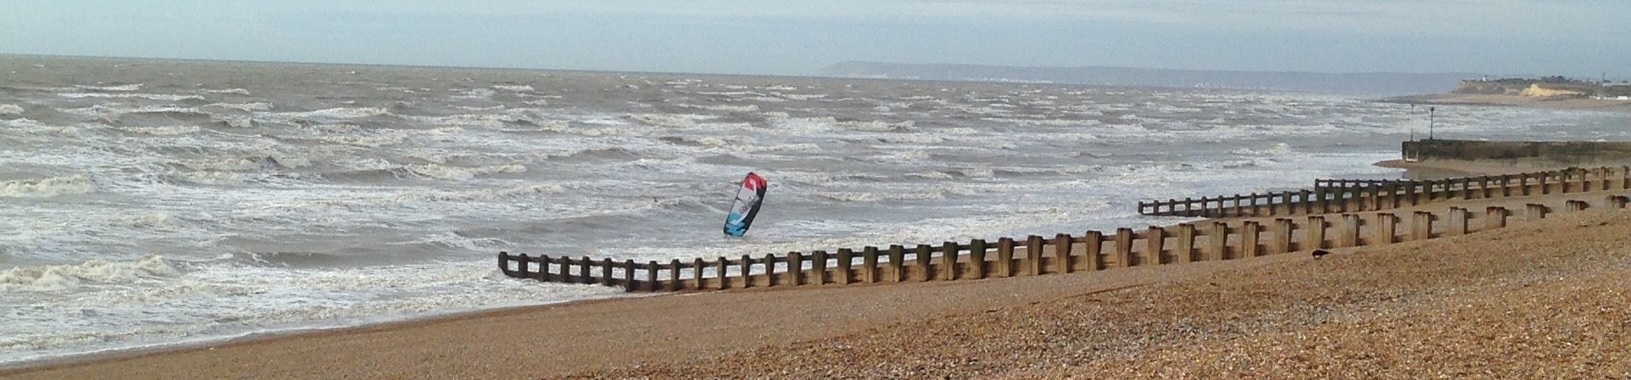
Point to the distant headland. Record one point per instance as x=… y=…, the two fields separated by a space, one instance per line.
x=1554 y=92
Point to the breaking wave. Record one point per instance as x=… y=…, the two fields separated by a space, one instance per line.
x=45 y=188
x=461 y=173
x=164 y=97
x=69 y=277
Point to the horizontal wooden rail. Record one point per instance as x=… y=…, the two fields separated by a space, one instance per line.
x=1032 y=255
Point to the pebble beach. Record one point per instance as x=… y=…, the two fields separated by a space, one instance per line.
x=1540 y=299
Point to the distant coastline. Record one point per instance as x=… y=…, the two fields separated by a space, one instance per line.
x=1578 y=104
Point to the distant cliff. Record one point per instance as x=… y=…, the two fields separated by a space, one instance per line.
x=1350 y=83
x=1544 y=87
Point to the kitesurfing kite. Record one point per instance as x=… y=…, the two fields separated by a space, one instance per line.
x=748 y=199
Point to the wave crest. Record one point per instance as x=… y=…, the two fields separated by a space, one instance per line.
x=49 y=187
x=48 y=278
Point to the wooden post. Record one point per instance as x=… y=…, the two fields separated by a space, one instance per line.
x=795 y=268
x=674 y=276
x=1255 y=211
x=1616 y=201
x=1154 y=241
x=1373 y=197
x=1506 y=185
x=1280 y=237
x=948 y=259
x=1307 y=201
x=869 y=264
x=818 y=261
x=1184 y=252
x=1544 y=188
x=1422 y=227
x=606 y=272
x=1061 y=252
x=1217 y=241
x=1535 y=211
x=583 y=271
x=1625 y=177
x=1387 y=227
x=543 y=269
x=1315 y=237
x=566 y=270
x=651 y=276
x=1033 y=255
x=1350 y=230
x=1458 y=222
x=504 y=263
x=897 y=263
x=1094 y=242
x=924 y=254
x=1124 y=247
x=1005 y=257
x=976 y=258
x=747 y=271
x=845 y=259
x=722 y=280
x=697 y=266
x=629 y=284
x=1323 y=195
x=1574 y=205
x=1248 y=239
x=771 y=280
x=1496 y=217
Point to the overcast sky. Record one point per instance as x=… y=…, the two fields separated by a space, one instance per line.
x=794 y=37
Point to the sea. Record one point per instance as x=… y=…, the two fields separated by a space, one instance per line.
x=153 y=203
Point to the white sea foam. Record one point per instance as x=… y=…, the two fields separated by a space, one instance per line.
x=877 y=126
x=164 y=97
x=515 y=88
x=334 y=114
x=233 y=91
x=125 y=87
x=1279 y=149
x=252 y=106
x=165 y=130
x=799 y=97
x=10 y=109
x=48 y=187
x=725 y=107
x=478 y=93
x=462 y=173
x=67 y=277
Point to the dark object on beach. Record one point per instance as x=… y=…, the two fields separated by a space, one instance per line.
x=1318 y=253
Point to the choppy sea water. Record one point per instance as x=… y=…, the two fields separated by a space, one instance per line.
x=147 y=202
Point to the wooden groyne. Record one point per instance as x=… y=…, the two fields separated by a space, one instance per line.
x=1031 y=256
x=1338 y=196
